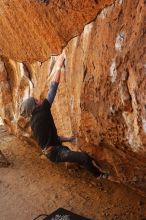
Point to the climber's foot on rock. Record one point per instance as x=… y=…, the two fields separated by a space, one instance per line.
x=103 y=176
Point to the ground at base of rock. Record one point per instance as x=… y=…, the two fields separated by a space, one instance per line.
x=32 y=185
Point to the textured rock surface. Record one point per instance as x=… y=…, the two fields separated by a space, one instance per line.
x=35 y=29
x=102 y=96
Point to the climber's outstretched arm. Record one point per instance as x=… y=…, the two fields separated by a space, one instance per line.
x=57 y=67
x=56 y=78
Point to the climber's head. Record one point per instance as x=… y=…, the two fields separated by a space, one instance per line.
x=28 y=106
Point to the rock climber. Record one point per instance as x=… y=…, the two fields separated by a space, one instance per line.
x=45 y=132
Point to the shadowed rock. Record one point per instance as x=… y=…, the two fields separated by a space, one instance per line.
x=3 y=160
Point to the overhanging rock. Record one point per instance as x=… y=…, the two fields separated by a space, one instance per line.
x=102 y=97
x=31 y=30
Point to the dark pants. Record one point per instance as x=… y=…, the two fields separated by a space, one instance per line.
x=64 y=154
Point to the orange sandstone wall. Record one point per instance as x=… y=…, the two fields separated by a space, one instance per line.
x=35 y=29
x=102 y=95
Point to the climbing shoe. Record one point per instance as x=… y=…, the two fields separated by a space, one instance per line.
x=103 y=176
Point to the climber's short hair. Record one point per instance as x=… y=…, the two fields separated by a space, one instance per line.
x=27 y=107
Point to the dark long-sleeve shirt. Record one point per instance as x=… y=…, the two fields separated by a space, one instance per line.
x=43 y=126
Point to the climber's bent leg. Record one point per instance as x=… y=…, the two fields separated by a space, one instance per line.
x=64 y=154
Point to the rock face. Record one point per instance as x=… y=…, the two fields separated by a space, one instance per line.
x=34 y=29
x=101 y=97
